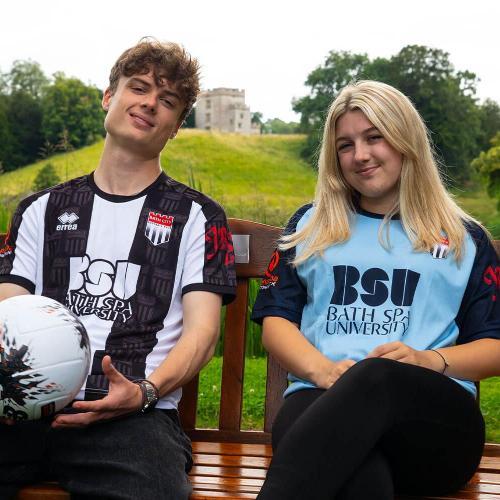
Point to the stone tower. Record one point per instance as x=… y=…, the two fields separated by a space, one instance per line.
x=225 y=110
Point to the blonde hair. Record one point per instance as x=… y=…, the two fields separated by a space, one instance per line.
x=426 y=210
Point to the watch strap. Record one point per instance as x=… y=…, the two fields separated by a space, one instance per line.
x=150 y=394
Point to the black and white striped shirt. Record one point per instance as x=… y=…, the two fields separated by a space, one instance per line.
x=122 y=264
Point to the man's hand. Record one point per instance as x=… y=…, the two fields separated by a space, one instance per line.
x=398 y=351
x=330 y=373
x=123 y=397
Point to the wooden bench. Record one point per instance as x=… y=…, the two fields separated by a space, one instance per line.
x=231 y=463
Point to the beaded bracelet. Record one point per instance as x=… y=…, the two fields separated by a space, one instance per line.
x=446 y=365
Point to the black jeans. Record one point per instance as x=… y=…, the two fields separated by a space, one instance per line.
x=135 y=457
x=383 y=428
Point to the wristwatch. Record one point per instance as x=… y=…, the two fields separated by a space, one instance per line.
x=150 y=394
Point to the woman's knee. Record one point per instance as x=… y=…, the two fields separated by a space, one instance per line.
x=375 y=370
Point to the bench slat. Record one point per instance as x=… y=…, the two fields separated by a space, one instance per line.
x=215 y=471
x=236 y=486
x=231 y=460
x=222 y=436
x=460 y=495
x=208 y=495
x=276 y=384
x=491 y=450
x=45 y=491
x=189 y=404
x=233 y=362
x=488 y=477
x=259 y=450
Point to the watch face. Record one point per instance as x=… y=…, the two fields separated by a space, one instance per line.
x=151 y=397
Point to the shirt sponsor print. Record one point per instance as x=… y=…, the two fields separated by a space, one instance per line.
x=380 y=307
x=102 y=288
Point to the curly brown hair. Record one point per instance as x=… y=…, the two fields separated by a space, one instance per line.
x=167 y=60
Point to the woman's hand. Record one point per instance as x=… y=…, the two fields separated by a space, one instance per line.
x=330 y=371
x=398 y=351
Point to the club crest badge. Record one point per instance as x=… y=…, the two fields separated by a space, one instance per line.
x=158 y=228
x=440 y=250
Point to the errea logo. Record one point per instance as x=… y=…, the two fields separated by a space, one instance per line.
x=67 y=222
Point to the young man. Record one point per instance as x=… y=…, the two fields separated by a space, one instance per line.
x=146 y=263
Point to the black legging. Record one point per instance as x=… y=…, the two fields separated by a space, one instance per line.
x=383 y=427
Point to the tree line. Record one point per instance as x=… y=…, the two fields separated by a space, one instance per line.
x=40 y=115
x=460 y=126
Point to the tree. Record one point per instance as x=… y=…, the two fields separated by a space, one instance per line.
x=24 y=115
x=27 y=77
x=20 y=113
x=46 y=177
x=189 y=121
x=4 y=85
x=488 y=165
x=257 y=118
x=256 y=121
x=5 y=134
x=277 y=126
x=339 y=69
x=444 y=97
x=490 y=122
x=71 y=105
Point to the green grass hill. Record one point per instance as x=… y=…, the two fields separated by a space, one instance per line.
x=256 y=177
x=261 y=178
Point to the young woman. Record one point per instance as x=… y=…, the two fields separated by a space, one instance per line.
x=380 y=303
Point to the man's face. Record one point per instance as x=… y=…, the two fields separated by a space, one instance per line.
x=143 y=113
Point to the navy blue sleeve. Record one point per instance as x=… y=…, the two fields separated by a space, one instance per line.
x=281 y=292
x=479 y=314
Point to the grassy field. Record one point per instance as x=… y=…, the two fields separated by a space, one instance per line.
x=254 y=388
x=254 y=393
x=256 y=177
x=478 y=204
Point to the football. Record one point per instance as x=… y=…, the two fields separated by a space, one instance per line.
x=44 y=357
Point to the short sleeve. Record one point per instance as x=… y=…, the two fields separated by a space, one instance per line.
x=479 y=314
x=281 y=291
x=18 y=254
x=209 y=261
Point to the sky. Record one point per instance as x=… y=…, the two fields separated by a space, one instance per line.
x=266 y=47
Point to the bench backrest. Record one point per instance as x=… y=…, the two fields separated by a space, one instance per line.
x=254 y=244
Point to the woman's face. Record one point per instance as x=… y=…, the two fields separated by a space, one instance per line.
x=370 y=165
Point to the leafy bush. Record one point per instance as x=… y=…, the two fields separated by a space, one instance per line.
x=46 y=177
x=488 y=165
